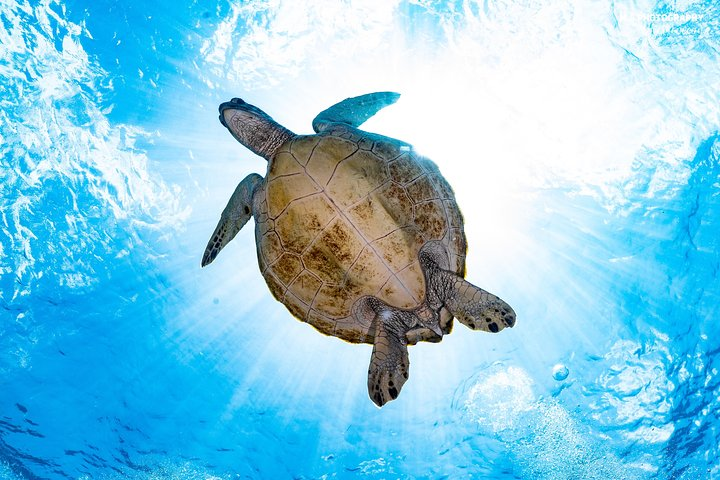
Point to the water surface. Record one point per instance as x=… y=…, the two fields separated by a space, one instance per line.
x=581 y=140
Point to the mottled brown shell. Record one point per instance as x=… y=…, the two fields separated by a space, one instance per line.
x=343 y=214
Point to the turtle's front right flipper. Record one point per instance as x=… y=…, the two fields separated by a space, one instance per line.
x=236 y=214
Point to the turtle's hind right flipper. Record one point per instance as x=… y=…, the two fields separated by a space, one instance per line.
x=389 y=362
x=389 y=365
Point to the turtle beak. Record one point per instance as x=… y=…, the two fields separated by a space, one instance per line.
x=232 y=104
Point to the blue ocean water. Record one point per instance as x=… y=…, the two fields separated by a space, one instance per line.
x=581 y=140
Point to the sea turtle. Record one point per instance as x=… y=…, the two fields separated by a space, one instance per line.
x=357 y=235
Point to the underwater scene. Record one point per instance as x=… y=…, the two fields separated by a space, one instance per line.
x=581 y=140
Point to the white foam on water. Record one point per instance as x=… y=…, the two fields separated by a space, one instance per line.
x=544 y=440
x=60 y=147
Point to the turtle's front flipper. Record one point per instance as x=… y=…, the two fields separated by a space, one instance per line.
x=389 y=363
x=236 y=214
x=471 y=305
x=354 y=111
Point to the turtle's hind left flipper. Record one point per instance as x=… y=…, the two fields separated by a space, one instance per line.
x=471 y=305
x=474 y=307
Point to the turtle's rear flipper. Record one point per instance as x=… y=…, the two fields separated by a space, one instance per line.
x=473 y=306
x=236 y=214
x=389 y=365
x=354 y=111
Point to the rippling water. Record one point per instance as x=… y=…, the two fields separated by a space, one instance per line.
x=581 y=140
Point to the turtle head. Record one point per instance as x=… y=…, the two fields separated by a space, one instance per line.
x=253 y=128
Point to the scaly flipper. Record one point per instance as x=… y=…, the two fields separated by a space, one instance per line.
x=389 y=362
x=389 y=365
x=474 y=307
x=471 y=305
x=354 y=111
x=236 y=214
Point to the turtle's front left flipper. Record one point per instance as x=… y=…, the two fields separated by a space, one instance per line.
x=236 y=214
x=354 y=111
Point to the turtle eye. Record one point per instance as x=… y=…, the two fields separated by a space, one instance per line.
x=247 y=210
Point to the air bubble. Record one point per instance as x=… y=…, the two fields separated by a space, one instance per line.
x=560 y=372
